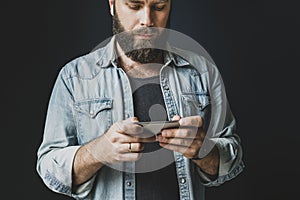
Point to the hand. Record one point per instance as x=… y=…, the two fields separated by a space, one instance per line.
x=187 y=139
x=120 y=143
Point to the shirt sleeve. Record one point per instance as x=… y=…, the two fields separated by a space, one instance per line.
x=59 y=145
x=222 y=132
x=230 y=151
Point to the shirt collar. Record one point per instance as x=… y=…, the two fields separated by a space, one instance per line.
x=173 y=56
x=106 y=55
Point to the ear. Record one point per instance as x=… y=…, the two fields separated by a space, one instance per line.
x=111 y=6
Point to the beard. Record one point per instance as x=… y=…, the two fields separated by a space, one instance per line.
x=138 y=50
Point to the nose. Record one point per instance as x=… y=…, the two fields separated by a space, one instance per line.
x=147 y=18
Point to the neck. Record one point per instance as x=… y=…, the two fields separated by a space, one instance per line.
x=137 y=69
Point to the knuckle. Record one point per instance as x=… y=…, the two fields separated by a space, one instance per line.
x=181 y=142
x=198 y=142
x=199 y=121
x=118 y=157
x=193 y=151
x=139 y=146
x=119 y=149
x=165 y=133
x=134 y=139
x=120 y=126
x=114 y=139
x=166 y=140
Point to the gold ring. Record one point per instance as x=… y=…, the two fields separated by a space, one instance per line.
x=129 y=147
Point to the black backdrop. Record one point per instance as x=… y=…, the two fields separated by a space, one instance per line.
x=255 y=45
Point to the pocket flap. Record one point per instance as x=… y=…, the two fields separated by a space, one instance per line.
x=199 y=100
x=92 y=107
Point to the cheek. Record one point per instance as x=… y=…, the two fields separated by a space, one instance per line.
x=128 y=23
x=126 y=20
x=162 y=20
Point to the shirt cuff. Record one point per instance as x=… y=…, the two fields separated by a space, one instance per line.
x=56 y=169
x=230 y=166
x=84 y=189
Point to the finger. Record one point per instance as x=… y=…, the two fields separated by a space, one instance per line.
x=188 y=132
x=173 y=147
x=176 y=141
x=176 y=117
x=131 y=147
x=189 y=152
x=128 y=127
x=147 y=139
x=194 y=121
x=126 y=157
x=124 y=138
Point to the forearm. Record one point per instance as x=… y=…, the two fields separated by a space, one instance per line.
x=210 y=163
x=85 y=165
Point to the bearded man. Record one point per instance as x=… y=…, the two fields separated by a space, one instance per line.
x=94 y=144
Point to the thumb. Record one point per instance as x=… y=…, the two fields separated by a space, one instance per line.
x=176 y=117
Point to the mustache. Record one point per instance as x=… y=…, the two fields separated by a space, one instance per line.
x=147 y=31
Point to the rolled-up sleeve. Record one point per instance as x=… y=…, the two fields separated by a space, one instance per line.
x=222 y=133
x=59 y=145
x=231 y=153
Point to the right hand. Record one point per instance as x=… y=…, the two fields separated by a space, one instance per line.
x=113 y=146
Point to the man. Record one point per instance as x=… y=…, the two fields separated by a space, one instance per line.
x=93 y=147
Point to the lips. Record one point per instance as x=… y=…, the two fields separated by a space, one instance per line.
x=144 y=36
x=146 y=32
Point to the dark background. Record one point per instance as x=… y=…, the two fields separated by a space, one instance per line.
x=255 y=44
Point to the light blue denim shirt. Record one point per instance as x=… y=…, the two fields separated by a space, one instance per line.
x=91 y=93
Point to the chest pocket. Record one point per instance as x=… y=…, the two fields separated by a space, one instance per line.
x=197 y=103
x=93 y=118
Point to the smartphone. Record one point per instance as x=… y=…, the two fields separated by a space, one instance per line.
x=155 y=127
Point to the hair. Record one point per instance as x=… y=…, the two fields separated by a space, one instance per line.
x=168 y=25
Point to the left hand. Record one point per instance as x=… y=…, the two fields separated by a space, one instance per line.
x=187 y=139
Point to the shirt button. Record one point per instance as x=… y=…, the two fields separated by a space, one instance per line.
x=127 y=116
x=91 y=112
x=128 y=183
x=182 y=180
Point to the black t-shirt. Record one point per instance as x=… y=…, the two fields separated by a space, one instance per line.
x=156 y=177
